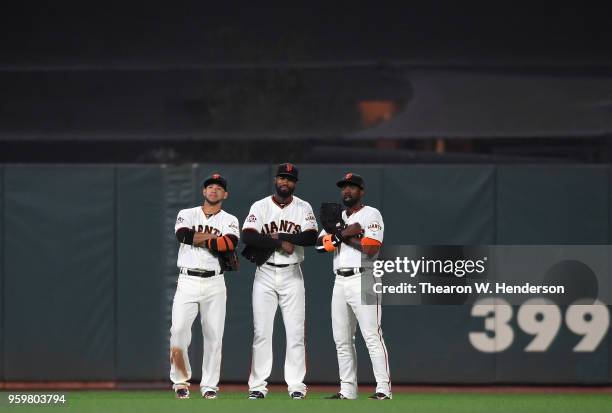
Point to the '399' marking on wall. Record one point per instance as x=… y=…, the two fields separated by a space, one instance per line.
x=540 y=318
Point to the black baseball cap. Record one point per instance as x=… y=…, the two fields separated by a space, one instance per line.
x=287 y=170
x=351 y=178
x=215 y=179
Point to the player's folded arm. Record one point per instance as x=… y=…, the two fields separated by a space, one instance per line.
x=252 y=237
x=224 y=243
x=185 y=235
x=307 y=238
x=370 y=246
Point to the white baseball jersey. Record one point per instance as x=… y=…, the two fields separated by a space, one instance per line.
x=218 y=224
x=372 y=224
x=268 y=217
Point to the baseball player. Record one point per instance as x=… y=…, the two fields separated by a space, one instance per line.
x=206 y=234
x=286 y=224
x=356 y=245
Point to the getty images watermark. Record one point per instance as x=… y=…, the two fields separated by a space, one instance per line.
x=414 y=275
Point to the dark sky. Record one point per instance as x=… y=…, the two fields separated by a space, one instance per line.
x=183 y=33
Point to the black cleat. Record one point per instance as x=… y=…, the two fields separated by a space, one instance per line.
x=182 y=393
x=210 y=395
x=337 y=396
x=380 y=396
x=297 y=395
x=254 y=395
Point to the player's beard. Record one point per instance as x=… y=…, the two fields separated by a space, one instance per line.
x=350 y=202
x=284 y=193
x=212 y=203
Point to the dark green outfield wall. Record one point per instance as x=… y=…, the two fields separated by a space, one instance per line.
x=88 y=267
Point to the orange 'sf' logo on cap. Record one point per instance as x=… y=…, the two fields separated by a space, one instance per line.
x=348 y=176
x=216 y=176
x=289 y=167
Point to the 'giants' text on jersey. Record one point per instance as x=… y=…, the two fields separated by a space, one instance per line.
x=207 y=229
x=286 y=227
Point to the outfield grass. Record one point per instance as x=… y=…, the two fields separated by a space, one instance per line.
x=164 y=401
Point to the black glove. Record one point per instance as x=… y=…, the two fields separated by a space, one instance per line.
x=257 y=255
x=229 y=261
x=331 y=217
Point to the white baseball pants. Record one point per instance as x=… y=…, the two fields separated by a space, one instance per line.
x=274 y=287
x=208 y=296
x=348 y=310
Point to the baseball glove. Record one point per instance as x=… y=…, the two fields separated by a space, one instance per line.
x=257 y=255
x=331 y=216
x=229 y=261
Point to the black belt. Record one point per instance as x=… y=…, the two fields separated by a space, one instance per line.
x=203 y=274
x=278 y=265
x=348 y=273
